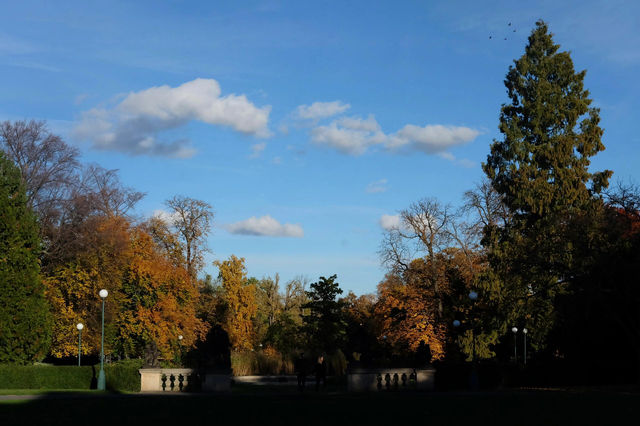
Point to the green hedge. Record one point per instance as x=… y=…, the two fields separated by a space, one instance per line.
x=44 y=377
x=121 y=377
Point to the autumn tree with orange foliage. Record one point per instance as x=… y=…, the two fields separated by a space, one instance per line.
x=159 y=303
x=435 y=259
x=408 y=312
x=240 y=298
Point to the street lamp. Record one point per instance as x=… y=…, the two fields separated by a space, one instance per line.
x=80 y=326
x=515 y=344
x=101 y=381
x=525 y=331
x=180 y=347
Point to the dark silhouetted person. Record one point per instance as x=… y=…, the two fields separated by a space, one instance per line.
x=320 y=370
x=300 y=367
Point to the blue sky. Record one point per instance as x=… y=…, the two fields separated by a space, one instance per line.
x=302 y=122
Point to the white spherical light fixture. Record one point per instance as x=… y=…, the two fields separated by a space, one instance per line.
x=80 y=326
x=104 y=293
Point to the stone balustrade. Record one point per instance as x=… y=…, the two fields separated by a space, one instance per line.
x=166 y=379
x=390 y=379
x=181 y=380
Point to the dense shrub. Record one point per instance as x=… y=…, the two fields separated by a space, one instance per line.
x=121 y=376
x=266 y=362
x=45 y=377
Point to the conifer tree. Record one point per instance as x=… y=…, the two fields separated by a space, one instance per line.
x=541 y=170
x=25 y=332
x=325 y=323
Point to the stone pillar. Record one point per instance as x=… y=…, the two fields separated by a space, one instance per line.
x=150 y=379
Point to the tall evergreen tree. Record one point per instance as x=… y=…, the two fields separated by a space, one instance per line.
x=325 y=324
x=25 y=331
x=541 y=170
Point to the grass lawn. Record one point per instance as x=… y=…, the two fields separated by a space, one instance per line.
x=272 y=406
x=48 y=391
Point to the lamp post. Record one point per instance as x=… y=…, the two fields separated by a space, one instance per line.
x=515 y=344
x=79 y=326
x=473 y=296
x=101 y=380
x=525 y=331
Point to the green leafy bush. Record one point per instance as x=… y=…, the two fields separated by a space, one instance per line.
x=44 y=377
x=121 y=376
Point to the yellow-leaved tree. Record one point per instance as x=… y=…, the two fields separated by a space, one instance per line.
x=72 y=288
x=241 y=302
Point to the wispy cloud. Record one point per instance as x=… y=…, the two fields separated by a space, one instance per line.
x=265 y=226
x=319 y=110
x=134 y=125
x=257 y=149
x=377 y=186
x=13 y=46
x=463 y=162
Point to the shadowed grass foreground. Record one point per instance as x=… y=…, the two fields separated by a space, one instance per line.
x=262 y=407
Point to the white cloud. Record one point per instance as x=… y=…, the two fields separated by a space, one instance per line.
x=354 y=136
x=133 y=125
x=168 y=217
x=355 y=123
x=265 y=226
x=434 y=138
x=257 y=148
x=377 y=186
x=344 y=139
x=389 y=222
x=318 y=110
